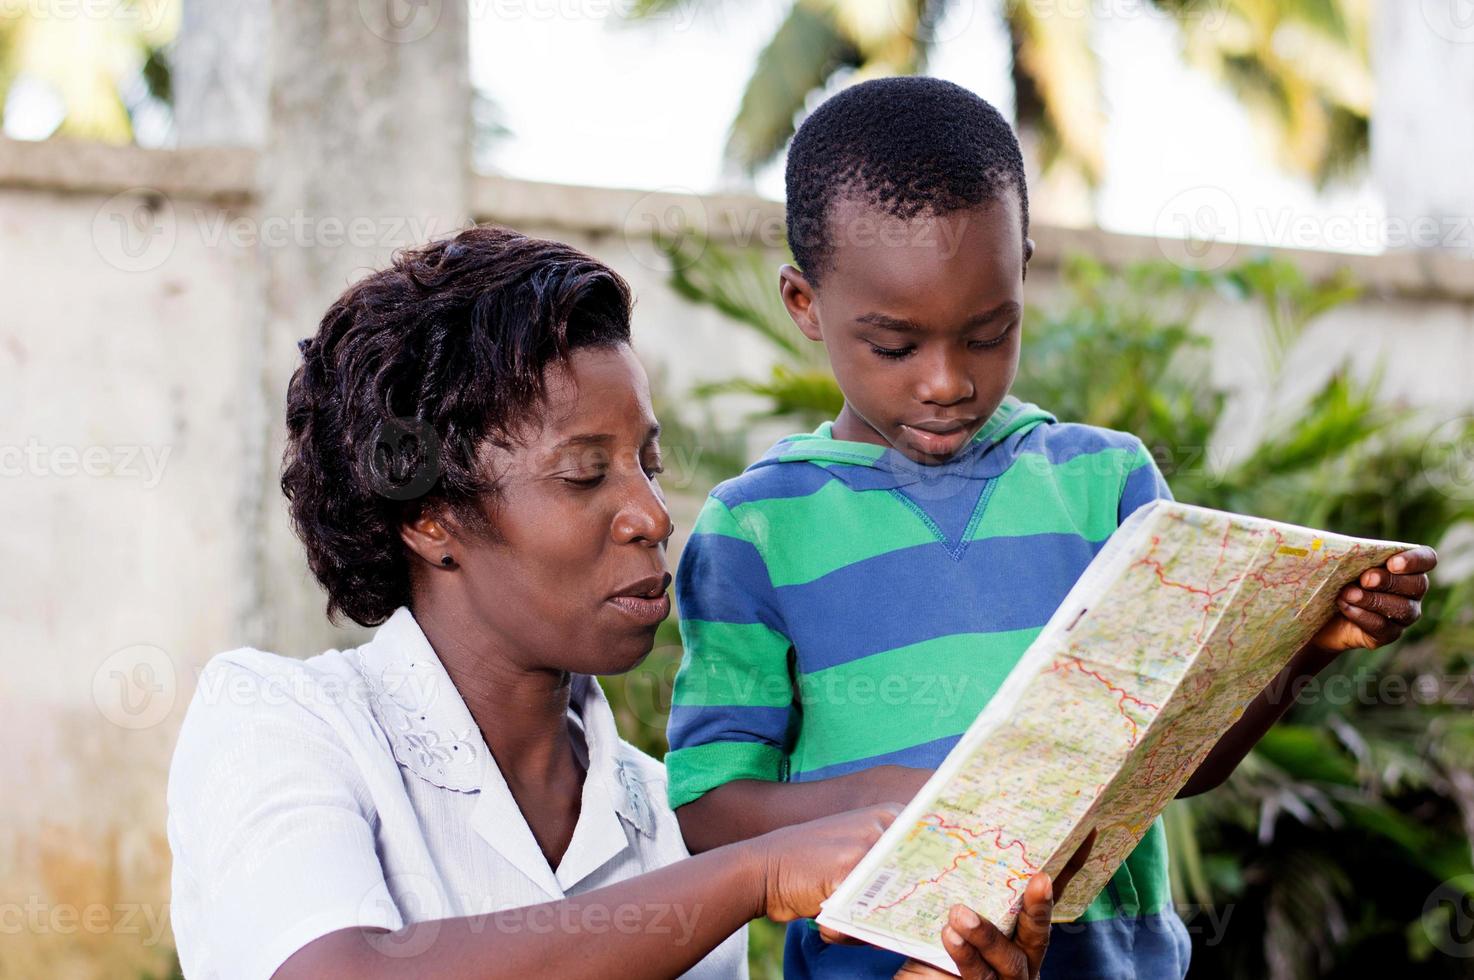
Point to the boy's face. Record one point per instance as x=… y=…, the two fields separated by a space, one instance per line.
x=921 y=320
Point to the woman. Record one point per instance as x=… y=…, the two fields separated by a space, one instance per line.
x=471 y=462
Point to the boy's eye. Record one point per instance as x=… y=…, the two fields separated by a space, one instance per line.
x=984 y=344
x=894 y=353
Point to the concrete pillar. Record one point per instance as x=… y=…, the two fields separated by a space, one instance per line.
x=222 y=73
x=367 y=151
x=1423 y=121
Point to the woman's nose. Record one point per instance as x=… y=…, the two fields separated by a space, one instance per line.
x=644 y=518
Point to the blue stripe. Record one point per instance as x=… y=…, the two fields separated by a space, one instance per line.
x=927 y=755
x=1064 y=441
x=699 y=724
x=1144 y=485
x=920 y=593
x=772 y=482
x=719 y=558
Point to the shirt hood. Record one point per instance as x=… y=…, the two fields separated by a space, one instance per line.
x=865 y=466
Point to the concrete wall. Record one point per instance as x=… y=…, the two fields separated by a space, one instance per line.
x=137 y=406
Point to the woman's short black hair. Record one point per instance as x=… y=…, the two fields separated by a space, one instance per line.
x=906 y=147
x=412 y=370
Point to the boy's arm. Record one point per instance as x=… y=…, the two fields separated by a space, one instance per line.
x=746 y=808
x=733 y=704
x=1373 y=612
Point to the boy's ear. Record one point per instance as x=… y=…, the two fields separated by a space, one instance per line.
x=1028 y=254
x=798 y=300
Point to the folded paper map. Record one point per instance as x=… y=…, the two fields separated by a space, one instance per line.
x=1179 y=623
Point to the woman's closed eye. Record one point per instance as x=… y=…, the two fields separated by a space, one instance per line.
x=584 y=481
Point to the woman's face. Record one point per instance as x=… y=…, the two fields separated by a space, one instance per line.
x=574 y=576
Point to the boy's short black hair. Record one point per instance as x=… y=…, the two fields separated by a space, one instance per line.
x=905 y=146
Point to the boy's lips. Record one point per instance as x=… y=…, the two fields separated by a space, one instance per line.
x=939 y=437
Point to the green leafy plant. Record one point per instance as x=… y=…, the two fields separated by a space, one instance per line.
x=1341 y=846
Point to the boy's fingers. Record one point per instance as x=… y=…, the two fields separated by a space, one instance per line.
x=1370 y=623
x=969 y=961
x=1399 y=609
x=993 y=949
x=1032 y=935
x=1412 y=586
x=917 y=970
x=1414 y=561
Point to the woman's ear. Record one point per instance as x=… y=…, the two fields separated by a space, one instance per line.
x=798 y=299
x=429 y=537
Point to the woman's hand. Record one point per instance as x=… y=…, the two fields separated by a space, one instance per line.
x=802 y=865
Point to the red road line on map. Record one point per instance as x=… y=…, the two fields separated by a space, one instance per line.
x=942 y=824
x=1120 y=702
x=929 y=881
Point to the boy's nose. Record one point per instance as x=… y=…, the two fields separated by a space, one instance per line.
x=945 y=382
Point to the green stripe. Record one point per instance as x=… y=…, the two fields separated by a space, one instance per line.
x=1078 y=496
x=693 y=772
x=818 y=533
x=1141 y=883
x=903 y=697
x=715 y=518
x=733 y=663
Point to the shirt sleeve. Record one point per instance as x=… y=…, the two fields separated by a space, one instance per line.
x=733 y=698
x=1143 y=483
x=270 y=827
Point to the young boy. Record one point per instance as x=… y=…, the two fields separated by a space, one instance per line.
x=851 y=601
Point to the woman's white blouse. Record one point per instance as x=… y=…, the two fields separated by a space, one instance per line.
x=354 y=789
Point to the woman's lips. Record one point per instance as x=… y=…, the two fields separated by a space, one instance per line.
x=642 y=609
x=646 y=602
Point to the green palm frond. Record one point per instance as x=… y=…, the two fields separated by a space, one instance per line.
x=741 y=284
x=1302 y=67
x=806 y=50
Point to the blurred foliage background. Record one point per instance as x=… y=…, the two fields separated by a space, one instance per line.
x=1373 y=761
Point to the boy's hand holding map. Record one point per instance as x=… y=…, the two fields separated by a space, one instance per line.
x=1177 y=626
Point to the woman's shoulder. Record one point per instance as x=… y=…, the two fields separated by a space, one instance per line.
x=272 y=709
x=264 y=685
x=247 y=670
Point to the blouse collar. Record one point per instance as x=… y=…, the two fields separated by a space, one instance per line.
x=433 y=735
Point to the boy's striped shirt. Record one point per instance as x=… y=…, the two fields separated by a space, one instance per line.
x=844 y=607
